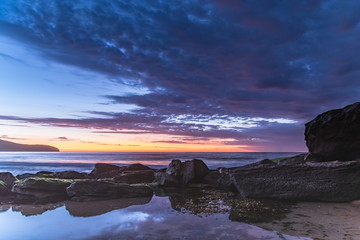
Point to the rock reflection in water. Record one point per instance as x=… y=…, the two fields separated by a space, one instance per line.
x=31 y=210
x=94 y=208
x=209 y=202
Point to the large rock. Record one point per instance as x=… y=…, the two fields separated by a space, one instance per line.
x=334 y=135
x=315 y=181
x=188 y=171
x=106 y=189
x=42 y=187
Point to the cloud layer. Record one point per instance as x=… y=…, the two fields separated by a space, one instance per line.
x=202 y=62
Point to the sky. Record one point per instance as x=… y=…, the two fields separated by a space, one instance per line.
x=174 y=75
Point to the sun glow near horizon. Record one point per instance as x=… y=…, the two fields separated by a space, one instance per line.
x=88 y=140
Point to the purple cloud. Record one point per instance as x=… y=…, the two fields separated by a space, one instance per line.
x=212 y=61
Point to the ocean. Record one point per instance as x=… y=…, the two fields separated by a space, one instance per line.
x=32 y=162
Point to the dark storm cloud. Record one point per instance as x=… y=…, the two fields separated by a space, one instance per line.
x=271 y=59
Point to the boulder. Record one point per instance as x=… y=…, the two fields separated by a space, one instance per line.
x=334 y=135
x=104 y=170
x=106 y=189
x=8 y=179
x=188 y=171
x=314 y=181
x=42 y=187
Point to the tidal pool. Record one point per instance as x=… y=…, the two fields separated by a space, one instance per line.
x=138 y=218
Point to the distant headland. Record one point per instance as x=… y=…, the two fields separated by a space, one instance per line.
x=6 y=146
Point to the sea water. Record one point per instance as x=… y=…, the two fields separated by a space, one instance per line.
x=32 y=162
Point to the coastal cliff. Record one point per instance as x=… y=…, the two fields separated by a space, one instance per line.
x=6 y=146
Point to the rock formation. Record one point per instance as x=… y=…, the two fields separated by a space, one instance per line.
x=334 y=135
x=315 y=181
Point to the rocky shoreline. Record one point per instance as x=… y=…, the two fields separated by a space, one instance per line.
x=319 y=175
x=312 y=181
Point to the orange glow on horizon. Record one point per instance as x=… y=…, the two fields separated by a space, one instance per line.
x=82 y=146
x=146 y=147
x=85 y=140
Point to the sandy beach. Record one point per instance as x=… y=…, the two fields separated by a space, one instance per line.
x=325 y=221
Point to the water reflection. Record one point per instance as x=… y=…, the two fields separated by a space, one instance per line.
x=94 y=208
x=143 y=218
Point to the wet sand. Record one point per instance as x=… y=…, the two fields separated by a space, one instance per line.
x=320 y=221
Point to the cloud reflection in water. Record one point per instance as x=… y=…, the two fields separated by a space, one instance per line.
x=155 y=220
